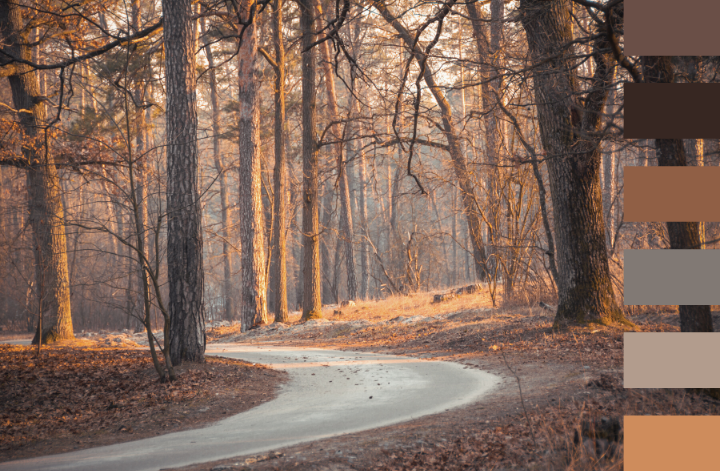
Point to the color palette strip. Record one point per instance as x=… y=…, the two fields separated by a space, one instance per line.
x=665 y=443
x=672 y=194
x=671 y=360
x=672 y=110
x=671 y=28
x=672 y=277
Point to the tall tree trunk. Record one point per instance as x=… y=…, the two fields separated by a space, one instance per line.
x=346 y=232
x=140 y=202
x=683 y=235
x=312 y=306
x=357 y=155
x=43 y=185
x=569 y=129
x=228 y=304
x=184 y=232
x=459 y=160
x=325 y=241
x=278 y=259
x=254 y=284
x=488 y=46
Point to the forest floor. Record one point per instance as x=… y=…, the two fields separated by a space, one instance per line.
x=82 y=394
x=571 y=389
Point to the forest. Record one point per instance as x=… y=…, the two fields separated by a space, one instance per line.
x=169 y=167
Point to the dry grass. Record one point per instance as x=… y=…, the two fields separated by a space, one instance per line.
x=416 y=304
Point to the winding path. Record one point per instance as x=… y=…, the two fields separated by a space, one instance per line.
x=329 y=393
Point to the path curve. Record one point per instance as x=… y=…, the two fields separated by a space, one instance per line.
x=329 y=393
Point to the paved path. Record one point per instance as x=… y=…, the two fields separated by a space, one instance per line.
x=329 y=393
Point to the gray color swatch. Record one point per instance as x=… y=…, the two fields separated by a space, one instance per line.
x=672 y=277
x=671 y=359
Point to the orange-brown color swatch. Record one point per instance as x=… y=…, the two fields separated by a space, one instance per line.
x=672 y=194
x=671 y=443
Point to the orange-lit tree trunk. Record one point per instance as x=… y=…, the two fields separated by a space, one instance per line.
x=43 y=184
x=278 y=260
x=347 y=233
x=254 y=283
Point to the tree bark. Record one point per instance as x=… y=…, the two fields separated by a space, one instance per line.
x=278 y=260
x=488 y=46
x=254 y=284
x=312 y=306
x=184 y=238
x=228 y=300
x=357 y=155
x=569 y=131
x=325 y=241
x=346 y=234
x=683 y=235
x=46 y=212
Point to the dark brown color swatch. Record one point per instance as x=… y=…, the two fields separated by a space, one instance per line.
x=672 y=194
x=672 y=28
x=672 y=110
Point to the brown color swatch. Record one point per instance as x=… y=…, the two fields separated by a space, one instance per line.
x=672 y=194
x=671 y=442
x=672 y=28
x=672 y=110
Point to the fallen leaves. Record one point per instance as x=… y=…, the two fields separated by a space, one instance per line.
x=99 y=396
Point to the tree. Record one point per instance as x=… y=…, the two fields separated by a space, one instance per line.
x=43 y=184
x=278 y=258
x=184 y=234
x=569 y=129
x=683 y=235
x=346 y=233
x=459 y=160
x=254 y=284
x=220 y=168
x=312 y=305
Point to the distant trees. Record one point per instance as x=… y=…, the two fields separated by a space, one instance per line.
x=419 y=190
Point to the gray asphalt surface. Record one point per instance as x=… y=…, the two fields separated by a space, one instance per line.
x=329 y=393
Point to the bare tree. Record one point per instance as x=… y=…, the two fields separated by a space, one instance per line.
x=43 y=184
x=346 y=233
x=569 y=127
